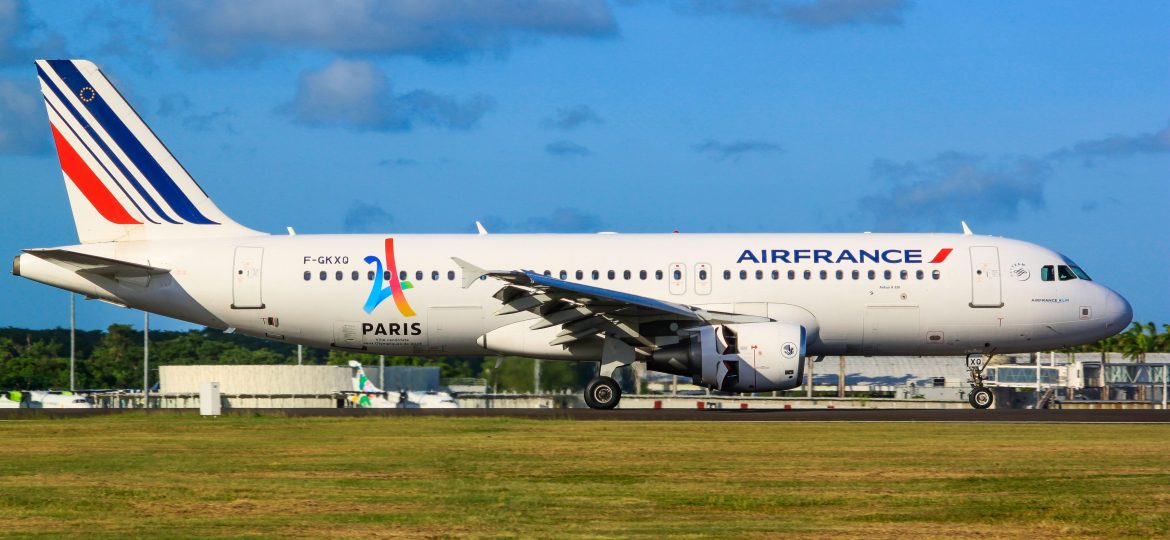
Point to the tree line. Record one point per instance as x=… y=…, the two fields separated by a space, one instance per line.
x=39 y=359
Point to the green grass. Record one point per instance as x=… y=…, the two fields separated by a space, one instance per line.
x=185 y=476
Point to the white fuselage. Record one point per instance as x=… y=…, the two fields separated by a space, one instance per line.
x=864 y=294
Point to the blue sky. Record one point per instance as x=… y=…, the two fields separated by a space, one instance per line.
x=1044 y=121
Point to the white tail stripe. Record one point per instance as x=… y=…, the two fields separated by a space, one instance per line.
x=95 y=164
x=102 y=144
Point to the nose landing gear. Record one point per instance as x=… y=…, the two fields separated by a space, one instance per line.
x=981 y=396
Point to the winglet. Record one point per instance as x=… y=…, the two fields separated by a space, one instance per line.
x=479 y=227
x=471 y=272
x=966 y=229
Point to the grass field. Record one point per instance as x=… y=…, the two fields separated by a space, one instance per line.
x=182 y=475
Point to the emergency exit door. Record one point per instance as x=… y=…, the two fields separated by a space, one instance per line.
x=985 y=285
x=246 y=278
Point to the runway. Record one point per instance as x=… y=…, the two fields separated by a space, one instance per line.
x=1111 y=416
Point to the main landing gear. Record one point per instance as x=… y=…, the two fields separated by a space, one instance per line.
x=602 y=393
x=981 y=396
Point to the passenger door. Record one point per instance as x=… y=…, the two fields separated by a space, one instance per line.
x=985 y=284
x=678 y=278
x=702 y=278
x=246 y=278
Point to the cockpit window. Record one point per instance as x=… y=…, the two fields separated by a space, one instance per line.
x=1065 y=273
x=1046 y=273
x=1080 y=273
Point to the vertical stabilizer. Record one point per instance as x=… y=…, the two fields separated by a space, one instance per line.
x=361 y=383
x=123 y=183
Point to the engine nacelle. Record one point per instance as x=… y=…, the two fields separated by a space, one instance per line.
x=749 y=357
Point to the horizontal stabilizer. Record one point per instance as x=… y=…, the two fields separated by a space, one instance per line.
x=92 y=264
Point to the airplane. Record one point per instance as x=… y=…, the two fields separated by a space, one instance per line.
x=369 y=396
x=735 y=312
x=38 y=399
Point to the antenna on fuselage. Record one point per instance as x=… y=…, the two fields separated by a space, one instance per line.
x=966 y=229
x=479 y=227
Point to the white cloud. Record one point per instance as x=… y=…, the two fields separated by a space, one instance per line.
x=814 y=14
x=358 y=95
x=938 y=192
x=24 y=125
x=434 y=29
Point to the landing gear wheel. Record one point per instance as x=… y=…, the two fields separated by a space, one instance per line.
x=981 y=397
x=602 y=393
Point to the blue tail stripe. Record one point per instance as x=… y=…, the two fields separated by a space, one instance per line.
x=139 y=155
x=99 y=162
x=106 y=149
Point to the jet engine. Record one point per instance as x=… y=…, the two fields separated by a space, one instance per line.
x=749 y=357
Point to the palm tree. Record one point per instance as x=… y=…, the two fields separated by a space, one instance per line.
x=1140 y=339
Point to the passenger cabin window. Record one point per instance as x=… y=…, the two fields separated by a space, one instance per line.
x=435 y=275
x=856 y=275
x=904 y=274
x=658 y=275
x=402 y=275
x=871 y=275
x=354 y=275
x=626 y=274
x=370 y=275
x=563 y=275
x=418 y=275
x=308 y=275
x=727 y=274
x=887 y=274
x=580 y=275
x=824 y=274
x=677 y=275
x=919 y=274
x=743 y=274
x=775 y=275
x=840 y=274
x=642 y=275
x=450 y=275
x=702 y=275
x=609 y=274
x=339 y=274
x=386 y=275
x=595 y=275
x=547 y=273
x=935 y=274
x=324 y=275
x=792 y=274
x=759 y=274
x=808 y=274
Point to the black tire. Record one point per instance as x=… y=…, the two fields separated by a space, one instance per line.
x=981 y=397
x=602 y=393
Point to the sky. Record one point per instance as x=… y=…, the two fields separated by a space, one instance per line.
x=1043 y=121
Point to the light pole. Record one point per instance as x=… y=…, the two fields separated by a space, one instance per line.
x=146 y=359
x=72 y=341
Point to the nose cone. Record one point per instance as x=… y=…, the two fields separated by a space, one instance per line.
x=1118 y=313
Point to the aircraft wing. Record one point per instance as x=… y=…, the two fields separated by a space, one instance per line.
x=83 y=263
x=585 y=310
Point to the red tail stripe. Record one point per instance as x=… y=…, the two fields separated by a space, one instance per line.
x=941 y=256
x=89 y=184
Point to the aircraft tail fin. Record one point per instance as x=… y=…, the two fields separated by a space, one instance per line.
x=123 y=182
x=361 y=383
